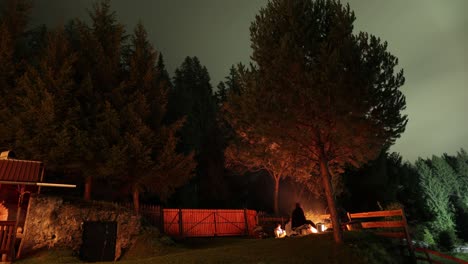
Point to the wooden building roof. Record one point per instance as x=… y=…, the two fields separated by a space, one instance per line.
x=21 y=170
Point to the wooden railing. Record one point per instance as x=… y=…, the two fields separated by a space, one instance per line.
x=388 y=223
x=7 y=238
x=273 y=220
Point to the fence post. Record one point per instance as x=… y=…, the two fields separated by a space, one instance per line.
x=161 y=218
x=214 y=221
x=246 y=222
x=181 y=230
x=408 y=236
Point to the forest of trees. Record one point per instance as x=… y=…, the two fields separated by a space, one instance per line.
x=314 y=114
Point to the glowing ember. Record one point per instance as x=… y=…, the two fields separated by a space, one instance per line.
x=279 y=233
x=3 y=213
x=313 y=230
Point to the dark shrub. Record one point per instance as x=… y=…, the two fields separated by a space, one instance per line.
x=447 y=240
x=461 y=219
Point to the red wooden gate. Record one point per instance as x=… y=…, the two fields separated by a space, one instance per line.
x=208 y=222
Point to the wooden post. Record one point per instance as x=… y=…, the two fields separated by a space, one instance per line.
x=214 y=221
x=246 y=222
x=181 y=229
x=18 y=214
x=20 y=248
x=42 y=178
x=408 y=237
x=161 y=218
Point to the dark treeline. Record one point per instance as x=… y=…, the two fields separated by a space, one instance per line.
x=433 y=193
x=96 y=104
x=91 y=102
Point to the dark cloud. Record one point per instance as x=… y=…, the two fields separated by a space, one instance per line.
x=430 y=38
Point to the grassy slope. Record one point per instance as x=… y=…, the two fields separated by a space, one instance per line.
x=358 y=248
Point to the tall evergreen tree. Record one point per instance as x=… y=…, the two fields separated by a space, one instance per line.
x=192 y=97
x=252 y=152
x=145 y=155
x=320 y=90
x=377 y=183
x=230 y=85
x=13 y=21
x=436 y=192
x=99 y=72
x=43 y=121
x=461 y=168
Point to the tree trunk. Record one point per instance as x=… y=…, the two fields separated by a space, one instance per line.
x=136 y=200
x=325 y=174
x=87 y=188
x=275 y=198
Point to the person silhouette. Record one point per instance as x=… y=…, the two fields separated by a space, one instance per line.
x=298 y=218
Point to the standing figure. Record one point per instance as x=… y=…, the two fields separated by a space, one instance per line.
x=298 y=217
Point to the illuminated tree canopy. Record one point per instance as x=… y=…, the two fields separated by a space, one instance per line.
x=318 y=90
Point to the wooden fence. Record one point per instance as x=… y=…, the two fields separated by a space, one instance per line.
x=199 y=222
x=151 y=213
x=388 y=223
x=7 y=239
x=272 y=220
x=209 y=222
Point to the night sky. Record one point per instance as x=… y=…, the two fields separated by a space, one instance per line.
x=430 y=38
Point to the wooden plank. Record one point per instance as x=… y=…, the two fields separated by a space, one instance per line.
x=392 y=234
x=271 y=219
x=408 y=236
x=231 y=222
x=6 y=235
x=2 y=234
x=377 y=214
x=11 y=238
x=171 y=222
x=324 y=216
x=385 y=224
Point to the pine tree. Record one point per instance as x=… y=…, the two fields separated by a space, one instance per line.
x=319 y=90
x=437 y=193
x=221 y=93
x=13 y=21
x=99 y=72
x=461 y=168
x=145 y=155
x=192 y=97
x=45 y=104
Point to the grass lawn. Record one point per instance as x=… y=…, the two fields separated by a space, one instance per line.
x=317 y=248
x=462 y=256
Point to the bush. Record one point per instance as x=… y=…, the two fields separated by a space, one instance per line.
x=461 y=219
x=447 y=240
x=427 y=237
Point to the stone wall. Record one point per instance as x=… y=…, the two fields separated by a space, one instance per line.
x=57 y=222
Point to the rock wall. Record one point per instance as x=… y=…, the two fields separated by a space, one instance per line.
x=57 y=222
